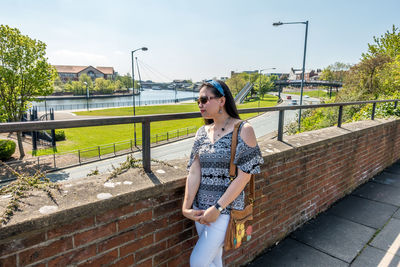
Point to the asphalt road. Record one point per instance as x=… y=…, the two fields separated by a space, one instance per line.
x=263 y=124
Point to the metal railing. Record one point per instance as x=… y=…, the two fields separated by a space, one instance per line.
x=147 y=119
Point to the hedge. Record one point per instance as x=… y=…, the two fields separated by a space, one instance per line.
x=7 y=148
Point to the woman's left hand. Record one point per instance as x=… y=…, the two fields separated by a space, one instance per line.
x=210 y=215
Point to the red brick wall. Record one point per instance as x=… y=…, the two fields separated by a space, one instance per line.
x=294 y=186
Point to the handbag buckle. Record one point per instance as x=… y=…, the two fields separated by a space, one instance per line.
x=251 y=200
x=232 y=177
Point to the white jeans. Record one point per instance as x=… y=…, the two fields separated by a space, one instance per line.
x=208 y=249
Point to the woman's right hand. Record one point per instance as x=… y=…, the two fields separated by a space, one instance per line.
x=192 y=214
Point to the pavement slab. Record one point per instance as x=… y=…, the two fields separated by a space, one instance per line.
x=395 y=168
x=359 y=210
x=388 y=238
x=379 y=192
x=388 y=178
x=371 y=257
x=290 y=253
x=335 y=236
x=397 y=214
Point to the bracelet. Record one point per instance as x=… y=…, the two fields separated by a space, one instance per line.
x=218 y=207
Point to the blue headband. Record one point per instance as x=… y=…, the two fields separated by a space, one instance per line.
x=217 y=86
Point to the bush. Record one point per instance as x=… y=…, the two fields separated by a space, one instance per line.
x=7 y=148
x=60 y=135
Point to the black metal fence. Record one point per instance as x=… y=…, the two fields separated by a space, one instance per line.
x=147 y=119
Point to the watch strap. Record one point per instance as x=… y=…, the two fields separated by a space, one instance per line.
x=218 y=207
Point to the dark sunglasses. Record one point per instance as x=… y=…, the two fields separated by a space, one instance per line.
x=205 y=99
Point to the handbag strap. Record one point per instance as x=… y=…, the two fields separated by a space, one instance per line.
x=232 y=166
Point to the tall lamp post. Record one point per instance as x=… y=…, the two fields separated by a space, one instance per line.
x=259 y=85
x=304 y=59
x=133 y=89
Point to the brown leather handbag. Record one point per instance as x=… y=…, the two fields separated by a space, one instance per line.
x=239 y=228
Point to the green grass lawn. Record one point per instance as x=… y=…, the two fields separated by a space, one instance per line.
x=86 y=137
x=315 y=94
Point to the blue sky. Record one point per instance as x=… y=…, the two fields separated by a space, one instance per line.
x=201 y=39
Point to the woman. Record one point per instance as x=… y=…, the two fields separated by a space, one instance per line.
x=209 y=194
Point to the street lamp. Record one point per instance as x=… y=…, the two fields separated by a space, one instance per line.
x=133 y=89
x=304 y=59
x=87 y=95
x=259 y=85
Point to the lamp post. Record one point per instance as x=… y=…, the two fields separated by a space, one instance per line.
x=87 y=95
x=304 y=59
x=133 y=89
x=259 y=85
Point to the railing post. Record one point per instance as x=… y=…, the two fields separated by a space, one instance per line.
x=131 y=145
x=114 y=150
x=280 y=124
x=146 y=146
x=167 y=136
x=177 y=133
x=395 y=104
x=339 y=124
x=187 y=131
x=98 y=149
x=373 y=111
x=79 y=156
x=54 y=160
x=156 y=138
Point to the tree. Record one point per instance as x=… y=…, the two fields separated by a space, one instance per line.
x=236 y=83
x=335 y=72
x=126 y=81
x=24 y=74
x=85 y=78
x=103 y=86
x=388 y=43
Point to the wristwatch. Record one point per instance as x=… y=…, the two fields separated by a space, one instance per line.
x=218 y=207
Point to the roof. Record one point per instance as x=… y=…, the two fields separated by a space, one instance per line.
x=77 y=69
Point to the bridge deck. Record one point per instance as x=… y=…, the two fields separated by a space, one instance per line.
x=362 y=229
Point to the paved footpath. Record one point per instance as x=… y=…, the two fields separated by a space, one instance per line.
x=362 y=229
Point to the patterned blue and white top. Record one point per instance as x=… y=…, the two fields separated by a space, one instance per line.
x=214 y=165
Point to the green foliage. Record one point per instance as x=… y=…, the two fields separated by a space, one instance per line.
x=60 y=134
x=76 y=87
x=24 y=71
x=388 y=44
x=103 y=86
x=20 y=187
x=58 y=85
x=237 y=82
x=335 y=72
x=125 y=81
x=7 y=148
x=382 y=110
x=86 y=81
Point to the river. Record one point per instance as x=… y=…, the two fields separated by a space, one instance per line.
x=147 y=97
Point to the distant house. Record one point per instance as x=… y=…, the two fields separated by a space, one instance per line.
x=73 y=73
x=295 y=74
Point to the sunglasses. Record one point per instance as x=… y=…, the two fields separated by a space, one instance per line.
x=204 y=99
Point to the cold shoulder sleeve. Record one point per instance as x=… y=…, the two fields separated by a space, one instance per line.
x=195 y=148
x=247 y=158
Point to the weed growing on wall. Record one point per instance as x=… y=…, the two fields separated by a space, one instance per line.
x=19 y=189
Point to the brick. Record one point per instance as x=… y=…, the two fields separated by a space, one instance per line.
x=102 y=260
x=166 y=255
x=8 y=261
x=149 y=251
x=115 y=213
x=164 y=233
x=74 y=257
x=167 y=208
x=21 y=243
x=146 y=263
x=70 y=228
x=38 y=253
x=151 y=227
x=143 y=204
x=136 y=245
x=93 y=234
x=117 y=241
x=127 y=261
x=134 y=220
x=180 y=237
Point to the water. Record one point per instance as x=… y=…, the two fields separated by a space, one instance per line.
x=147 y=97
